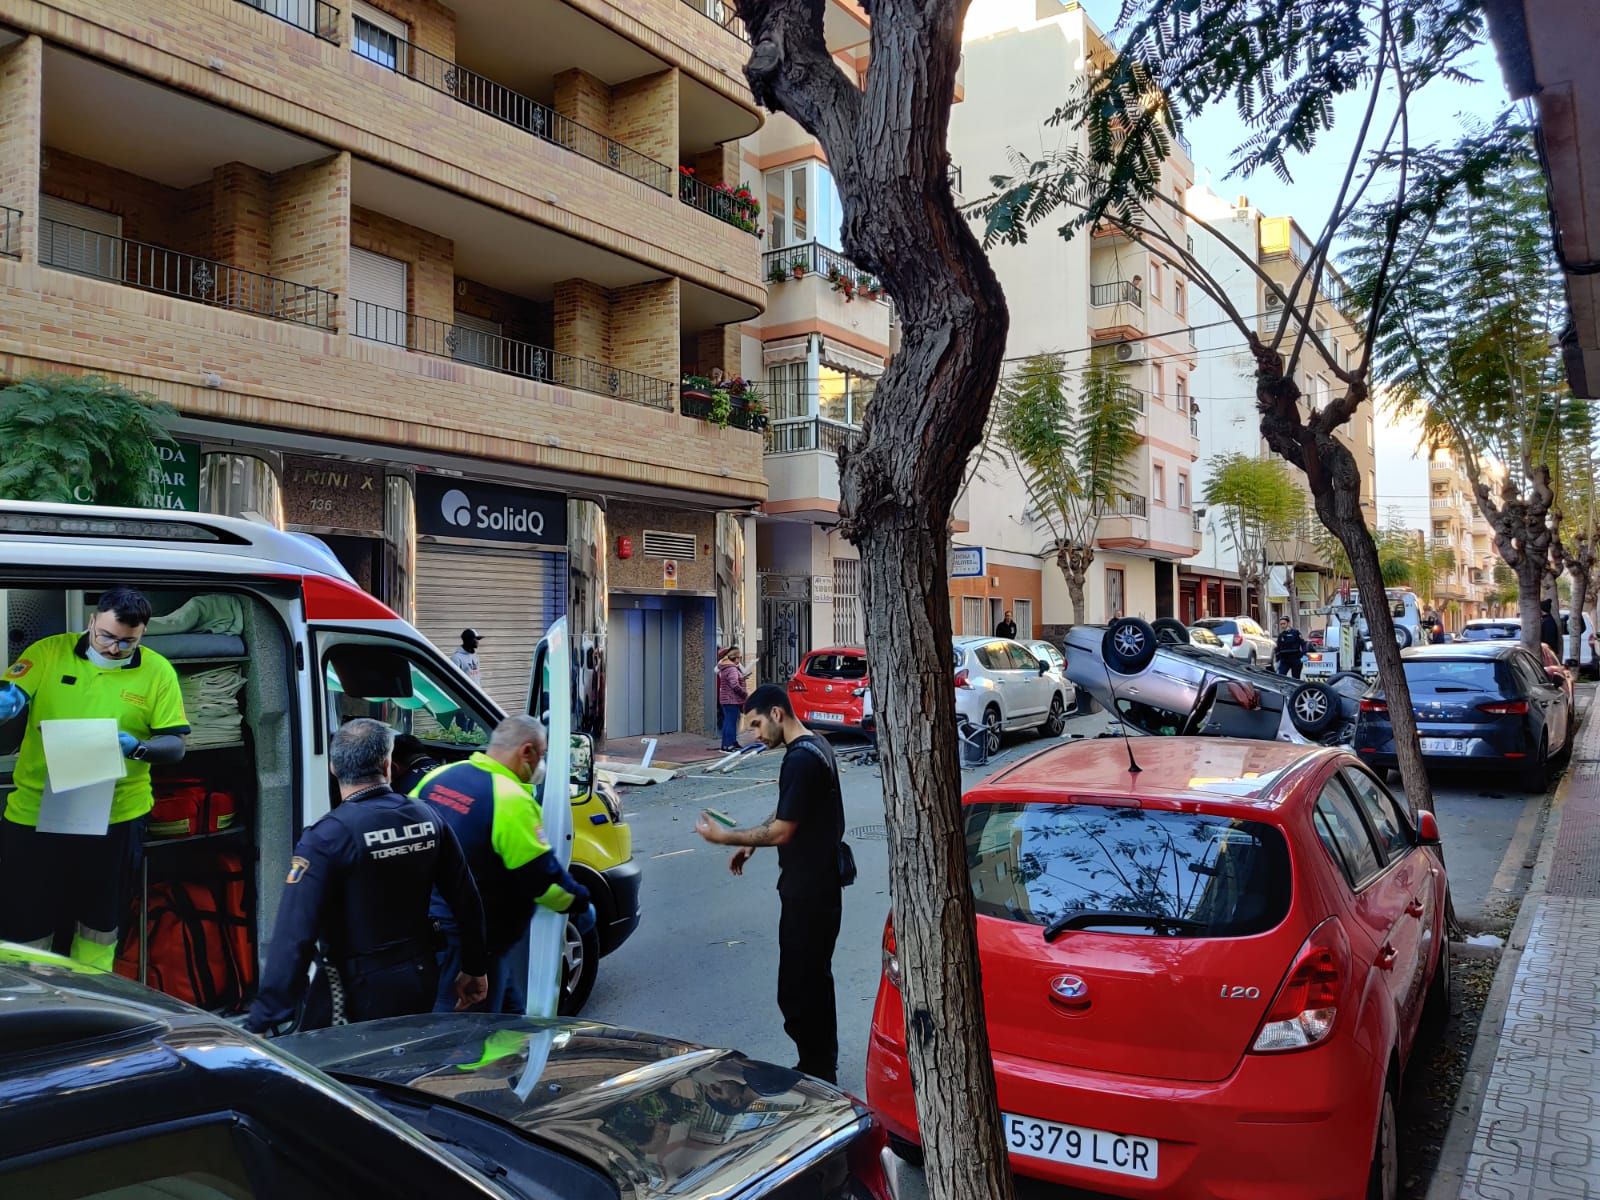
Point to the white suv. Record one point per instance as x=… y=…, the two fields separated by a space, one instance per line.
x=1002 y=685
x=1242 y=638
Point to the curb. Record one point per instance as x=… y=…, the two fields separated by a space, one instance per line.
x=1450 y=1173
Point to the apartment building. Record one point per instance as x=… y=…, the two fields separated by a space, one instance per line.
x=1464 y=575
x=817 y=351
x=420 y=278
x=1237 y=245
x=1104 y=295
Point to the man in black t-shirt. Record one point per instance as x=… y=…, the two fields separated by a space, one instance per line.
x=807 y=829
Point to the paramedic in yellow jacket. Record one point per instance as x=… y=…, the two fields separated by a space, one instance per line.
x=53 y=882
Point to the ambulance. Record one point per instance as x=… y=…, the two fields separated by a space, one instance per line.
x=275 y=647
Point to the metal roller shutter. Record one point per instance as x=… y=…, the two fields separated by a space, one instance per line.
x=509 y=597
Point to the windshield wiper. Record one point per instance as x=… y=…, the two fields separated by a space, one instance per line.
x=1080 y=918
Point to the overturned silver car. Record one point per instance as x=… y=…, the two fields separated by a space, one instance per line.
x=1150 y=676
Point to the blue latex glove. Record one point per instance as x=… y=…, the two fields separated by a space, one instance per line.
x=12 y=701
x=128 y=742
x=583 y=921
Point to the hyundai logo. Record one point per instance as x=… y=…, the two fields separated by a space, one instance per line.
x=1069 y=987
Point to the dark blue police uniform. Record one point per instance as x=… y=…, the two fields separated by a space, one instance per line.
x=360 y=881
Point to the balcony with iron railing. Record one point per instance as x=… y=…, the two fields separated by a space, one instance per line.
x=797 y=435
x=813 y=258
x=10 y=232
x=1129 y=506
x=185 y=276
x=508 y=356
x=314 y=16
x=482 y=94
x=1103 y=295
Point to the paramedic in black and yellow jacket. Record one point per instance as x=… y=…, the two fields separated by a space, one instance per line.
x=56 y=881
x=488 y=801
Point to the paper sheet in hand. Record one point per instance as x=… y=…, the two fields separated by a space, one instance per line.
x=78 y=753
x=85 y=811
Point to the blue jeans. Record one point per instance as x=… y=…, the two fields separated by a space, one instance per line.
x=508 y=979
x=730 y=725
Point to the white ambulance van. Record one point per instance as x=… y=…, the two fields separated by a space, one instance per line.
x=275 y=646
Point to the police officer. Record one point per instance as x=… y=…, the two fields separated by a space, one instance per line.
x=487 y=800
x=56 y=881
x=360 y=880
x=1290 y=650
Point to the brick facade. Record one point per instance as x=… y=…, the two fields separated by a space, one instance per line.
x=721 y=347
x=21 y=121
x=644 y=115
x=172 y=218
x=311 y=224
x=320 y=91
x=241 y=217
x=632 y=328
x=580 y=97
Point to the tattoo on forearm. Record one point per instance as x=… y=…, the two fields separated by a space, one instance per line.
x=758 y=835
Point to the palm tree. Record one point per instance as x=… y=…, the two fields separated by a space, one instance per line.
x=1073 y=455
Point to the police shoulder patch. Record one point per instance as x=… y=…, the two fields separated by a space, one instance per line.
x=297 y=869
x=19 y=668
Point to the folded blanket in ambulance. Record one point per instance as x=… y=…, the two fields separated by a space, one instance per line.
x=196 y=645
x=211 y=702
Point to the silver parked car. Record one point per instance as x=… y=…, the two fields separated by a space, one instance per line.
x=1002 y=685
x=1152 y=676
x=1242 y=637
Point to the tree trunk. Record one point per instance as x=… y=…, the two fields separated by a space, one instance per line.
x=898 y=480
x=1530 y=595
x=1580 y=598
x=1074 y=564
x=1334 y=481
x=1264 y=600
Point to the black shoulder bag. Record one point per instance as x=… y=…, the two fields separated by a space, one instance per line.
x=847 y=858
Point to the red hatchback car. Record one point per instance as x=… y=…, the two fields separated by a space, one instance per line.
x=829 y=691
x=1201 y=980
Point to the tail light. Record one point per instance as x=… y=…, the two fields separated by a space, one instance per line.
x=867 y=1170
x=797 y=684
x=1304 y=1011
x=1374 y=705
x=961 y=679
x=1313 y=658
x=1505 y=708
x=891 y=963
x=1238 y=639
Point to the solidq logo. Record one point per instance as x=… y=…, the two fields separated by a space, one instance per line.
x=489 y=512
x=457 y=509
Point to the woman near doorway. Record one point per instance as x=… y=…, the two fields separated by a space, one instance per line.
x=731 y=694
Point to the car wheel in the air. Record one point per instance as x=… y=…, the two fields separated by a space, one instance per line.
x=1128 y=645
x=1313 y=708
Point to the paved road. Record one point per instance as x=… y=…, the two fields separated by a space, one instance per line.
x=703 y=964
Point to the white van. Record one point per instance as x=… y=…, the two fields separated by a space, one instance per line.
x=275 y=647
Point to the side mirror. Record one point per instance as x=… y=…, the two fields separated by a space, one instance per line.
x=1427 y=829
x=581 y=764
x=1043 y=666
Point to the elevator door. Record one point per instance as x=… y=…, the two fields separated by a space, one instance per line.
x=644 y=675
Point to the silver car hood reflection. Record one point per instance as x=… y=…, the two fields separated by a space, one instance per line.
x=663 y=1118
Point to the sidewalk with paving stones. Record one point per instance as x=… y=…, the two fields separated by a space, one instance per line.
x=1533 y=1132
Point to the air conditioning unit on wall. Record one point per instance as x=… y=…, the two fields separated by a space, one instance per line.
x=1129 y=352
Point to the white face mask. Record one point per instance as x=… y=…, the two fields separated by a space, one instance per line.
x=100 y=660
x=538 y=775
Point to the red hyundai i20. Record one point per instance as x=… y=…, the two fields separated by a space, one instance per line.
x=1203 y=979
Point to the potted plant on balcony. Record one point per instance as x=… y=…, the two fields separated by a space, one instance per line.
x=797 y=267
x=778 y=273
x=871 y=289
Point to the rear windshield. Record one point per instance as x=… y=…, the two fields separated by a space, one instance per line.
x=837 y=666
x=1485 y=633
x=1203 y=636
x=1220 y=626
x=1436 y=676
x=1037 y=863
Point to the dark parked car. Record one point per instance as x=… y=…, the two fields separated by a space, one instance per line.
x=1479 y=704
x=108 y=1088
x=1153 y=677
